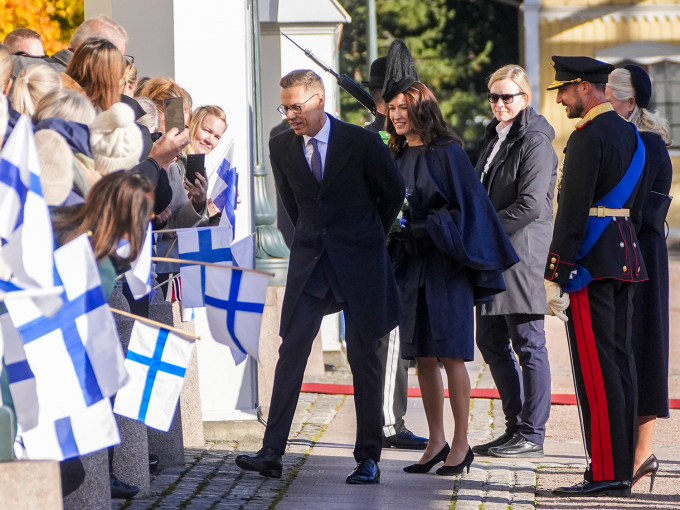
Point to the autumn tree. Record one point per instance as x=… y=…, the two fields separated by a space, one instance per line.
x=55 y=20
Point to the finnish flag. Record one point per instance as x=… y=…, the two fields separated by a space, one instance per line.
x=25 y=225
x=222 y=187
x=157 y=360
x=139 y=275
x=22 y=384
x=75 y=355
x=234 y=303
x=208 y=244
x=88 y=430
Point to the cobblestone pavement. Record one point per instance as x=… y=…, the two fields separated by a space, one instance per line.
x=211 y=481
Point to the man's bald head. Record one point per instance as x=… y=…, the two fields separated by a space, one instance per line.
x=100 y=26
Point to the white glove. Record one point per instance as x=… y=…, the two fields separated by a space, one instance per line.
x=558 y=300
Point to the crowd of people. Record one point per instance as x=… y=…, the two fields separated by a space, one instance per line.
x=108 y=166
x=462 y=238
x=465 y=244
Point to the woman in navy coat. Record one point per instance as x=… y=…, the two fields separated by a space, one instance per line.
x=629 y=91
x=450 y=255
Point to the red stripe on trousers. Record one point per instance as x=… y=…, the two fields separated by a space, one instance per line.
x=600 y=439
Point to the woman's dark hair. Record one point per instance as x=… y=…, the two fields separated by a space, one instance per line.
x=426 y=120
x=119 y=206
x=98 y=67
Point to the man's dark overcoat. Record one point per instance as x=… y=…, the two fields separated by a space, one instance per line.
x=347 y=216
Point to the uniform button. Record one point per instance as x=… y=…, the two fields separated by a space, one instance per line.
x=556 y=275
x=553 y=260
x=639 y=269
x=621 y=245
x=316 y=258
x=552 y=266
x=324 y=231
x=625 y=268
x=634 y=245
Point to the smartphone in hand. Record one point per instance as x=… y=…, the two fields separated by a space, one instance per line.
x=173 y=109
x=195 y=165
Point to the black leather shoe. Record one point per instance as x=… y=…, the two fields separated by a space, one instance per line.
x=483 y=449
x=405 y=440
x=153 y=462
x=121 y=490
x=518 y=446
x=648 y=467
x=366 y=472
x=267 y=462
x=617 y=489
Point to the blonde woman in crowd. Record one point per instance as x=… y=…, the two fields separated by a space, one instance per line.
x=64 y=104
x=129 y=82
x=31 y=85
x=189 y=204
x=629 y=91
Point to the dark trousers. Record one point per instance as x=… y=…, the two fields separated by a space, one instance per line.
x=363 y=360
x=523 y=381
x=395 y=383
x=602 y=358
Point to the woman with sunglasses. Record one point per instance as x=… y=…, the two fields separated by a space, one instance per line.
x=518 y=168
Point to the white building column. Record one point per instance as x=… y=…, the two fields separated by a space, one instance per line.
x=531 y=10
x=206 y=47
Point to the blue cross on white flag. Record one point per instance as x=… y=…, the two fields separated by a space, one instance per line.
x=25 y=225
x=139 y=275
x=22 y=384
x=234 y=303
x=223 y=187
x=209 y=244
x=88 y=430
x=157 y=360
x=75 y=355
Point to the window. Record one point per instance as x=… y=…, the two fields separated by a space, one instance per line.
x=666 y=96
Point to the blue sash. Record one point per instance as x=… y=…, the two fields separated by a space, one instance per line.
x=615 y=199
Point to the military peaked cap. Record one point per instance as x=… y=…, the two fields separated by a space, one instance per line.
x=577 y=69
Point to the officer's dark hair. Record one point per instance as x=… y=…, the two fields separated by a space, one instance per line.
x=425 y=117
x=600 y=87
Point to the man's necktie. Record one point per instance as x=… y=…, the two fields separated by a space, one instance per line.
x=316 y=160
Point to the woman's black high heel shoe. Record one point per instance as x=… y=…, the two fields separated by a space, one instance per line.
x=425 y=468
x=650 y=466
x=458 y=468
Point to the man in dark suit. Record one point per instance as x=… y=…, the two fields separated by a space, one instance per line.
x=342 y=191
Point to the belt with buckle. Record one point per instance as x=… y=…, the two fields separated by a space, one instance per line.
x=602 y=212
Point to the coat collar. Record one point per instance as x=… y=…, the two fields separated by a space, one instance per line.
x=337 y=154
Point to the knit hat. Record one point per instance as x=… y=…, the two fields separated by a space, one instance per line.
x=400 y=72
x=115 y=139
x=56 y=166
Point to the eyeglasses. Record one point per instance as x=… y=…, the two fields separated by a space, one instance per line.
x=295 y=108
x=506 y=98
x=129 y=59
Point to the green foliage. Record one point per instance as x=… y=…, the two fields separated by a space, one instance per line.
x=456 y=44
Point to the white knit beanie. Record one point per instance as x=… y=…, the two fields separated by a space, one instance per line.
x=56 y=166
x=116 y=141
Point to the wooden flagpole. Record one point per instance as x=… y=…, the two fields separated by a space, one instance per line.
x=156 y=324
x=209 y=264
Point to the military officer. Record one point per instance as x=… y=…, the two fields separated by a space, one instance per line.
x=592 y=263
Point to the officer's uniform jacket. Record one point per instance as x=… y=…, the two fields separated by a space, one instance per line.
x=598 y=154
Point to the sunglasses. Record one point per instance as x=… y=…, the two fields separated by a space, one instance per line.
x=506 y=98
